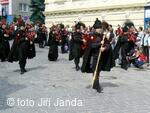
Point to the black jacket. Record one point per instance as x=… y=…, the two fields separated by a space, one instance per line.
x=91 y=53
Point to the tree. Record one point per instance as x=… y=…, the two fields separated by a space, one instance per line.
x=37 y=8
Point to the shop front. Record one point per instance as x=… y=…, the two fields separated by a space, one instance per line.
x=147 y=15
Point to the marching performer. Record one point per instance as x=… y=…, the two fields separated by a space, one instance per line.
x=21 y=48
x=77 y=42
x=4 y=42
x=41 y=35
x=63 y=36
x=98 y=54
x=126 y=42
x=53 y=42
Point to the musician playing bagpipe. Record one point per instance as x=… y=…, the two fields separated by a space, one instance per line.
x=98 y=54
x=125 y=43
x=63 y=36
x=22 y=47
x=41 y=35
x=4 y=42
x=53 y=42
x=132 y=37
x=76 y=49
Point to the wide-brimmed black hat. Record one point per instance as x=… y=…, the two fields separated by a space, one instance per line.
x=62 y=26
x=79 y=24
x=97 y=24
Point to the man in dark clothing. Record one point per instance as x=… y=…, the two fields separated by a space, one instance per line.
x=122 y=45
x=77 y=42
x=21 y=48
x=4 y=43
x=41 y=36
x=53 y=45
x=98 y=44
x=63 y=36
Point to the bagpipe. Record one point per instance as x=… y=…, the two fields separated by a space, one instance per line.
x=129 y=30
x=30 y=35
x=57 y=36
x=118 y=32
x=7 y=32
x=88 y=38
x=132 y=36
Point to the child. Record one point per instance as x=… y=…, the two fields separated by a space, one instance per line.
x=137 y=58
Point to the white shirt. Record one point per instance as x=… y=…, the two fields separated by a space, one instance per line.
x=149 y=41
x=144 y=40
x=140 y=35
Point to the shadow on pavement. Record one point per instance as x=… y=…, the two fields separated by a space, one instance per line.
x=6 y=89
x=105 y=84
x=109 y=84
x=31 y=69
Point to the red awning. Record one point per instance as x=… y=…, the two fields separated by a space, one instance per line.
x=4 y=1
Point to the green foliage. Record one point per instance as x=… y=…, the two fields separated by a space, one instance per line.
x=37 y=8
x=15 y=18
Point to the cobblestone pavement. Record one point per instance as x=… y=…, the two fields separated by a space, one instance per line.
x=124 y=91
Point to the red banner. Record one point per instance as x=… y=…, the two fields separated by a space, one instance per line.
x=4 y=1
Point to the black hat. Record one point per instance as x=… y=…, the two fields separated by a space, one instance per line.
x=77 y=26
x=128 y=24
x=98 y=21
x=97 y=24
x=62 y=26
x=125 y=29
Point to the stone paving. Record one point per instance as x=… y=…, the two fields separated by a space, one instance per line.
x=124 y=91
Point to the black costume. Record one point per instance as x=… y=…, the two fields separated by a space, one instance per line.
x=122 y=44
x=53 y=46
x=64 y=43
x=77 y=50
x=91 y=54
x=4 y=44
x=21 y=49
x=41 y=36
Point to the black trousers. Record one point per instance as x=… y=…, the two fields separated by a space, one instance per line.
x=77 y=61
x=124 y=63
x=23 y=52
x=63 y=47
x=117 y=49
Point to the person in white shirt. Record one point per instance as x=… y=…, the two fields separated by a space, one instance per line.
x=139 y=37
x=144 y=43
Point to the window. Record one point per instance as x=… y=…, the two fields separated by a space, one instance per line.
x=23 y=7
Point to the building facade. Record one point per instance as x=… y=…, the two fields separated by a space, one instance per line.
x=13 y=8
x=113 y=11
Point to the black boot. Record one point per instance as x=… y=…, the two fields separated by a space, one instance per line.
x=77 y=68
x=97 y=86
x=76 y=61
x=22 y=69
